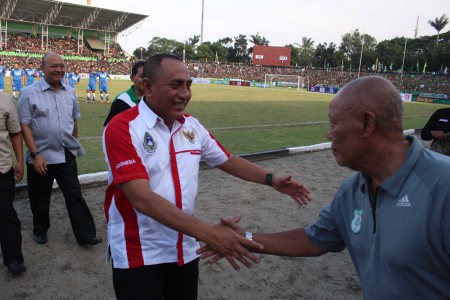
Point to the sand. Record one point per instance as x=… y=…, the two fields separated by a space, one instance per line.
x=61 y=269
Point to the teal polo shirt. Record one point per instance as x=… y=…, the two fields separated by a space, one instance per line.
x=401 y=249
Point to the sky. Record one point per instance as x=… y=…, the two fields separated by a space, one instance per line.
x=281 y=22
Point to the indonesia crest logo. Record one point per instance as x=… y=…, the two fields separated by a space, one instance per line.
x=149 y=143
x=190 y=135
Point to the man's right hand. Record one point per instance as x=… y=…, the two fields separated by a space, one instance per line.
x=236 y=245
x=440 y=135
x=39 y=164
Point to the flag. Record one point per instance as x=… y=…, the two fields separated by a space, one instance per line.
x=217 y=58
x=376 y=65
x=424 y=67
x=418 y=68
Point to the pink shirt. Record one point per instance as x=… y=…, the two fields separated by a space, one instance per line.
x=138 y=145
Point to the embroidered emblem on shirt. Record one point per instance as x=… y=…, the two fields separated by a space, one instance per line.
x=190 y=136
x=404 y=202
x=149 y=143
x=357 y=219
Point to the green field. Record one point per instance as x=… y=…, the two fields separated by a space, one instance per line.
x=243 y=119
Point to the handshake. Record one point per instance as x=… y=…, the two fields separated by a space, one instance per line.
x=233 y=243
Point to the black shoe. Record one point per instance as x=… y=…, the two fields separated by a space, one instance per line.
x=91 y=241
x=40 y=239
x=16 y=267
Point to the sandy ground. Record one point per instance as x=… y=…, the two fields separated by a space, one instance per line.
x=61 y=269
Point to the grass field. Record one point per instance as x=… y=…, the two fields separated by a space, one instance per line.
x=243 y=119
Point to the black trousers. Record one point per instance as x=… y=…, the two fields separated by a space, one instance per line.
x=164 y=281
x=10 y=229
x=39 y=192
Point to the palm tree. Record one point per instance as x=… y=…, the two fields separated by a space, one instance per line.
x=307 y=49
x=193 y=40
x=439 y=24
x=307 y=45
x=258 y=40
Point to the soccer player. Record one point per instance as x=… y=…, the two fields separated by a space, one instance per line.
x=2 y=76
x=73 y=78
x=30 y=74
x=93 y=74
x=17 y=77
x=103 y=78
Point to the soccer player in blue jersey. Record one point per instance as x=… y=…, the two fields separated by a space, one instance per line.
x=93 y=74
x=17 y=77
x=30 y=74
x=103 y=78
x=73 y=78
x=2 y=76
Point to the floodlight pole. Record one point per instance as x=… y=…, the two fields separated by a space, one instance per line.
x=362 y=49
x=403 y=63
x=201 y=34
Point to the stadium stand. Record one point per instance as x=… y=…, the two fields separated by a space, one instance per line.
x=82 y=34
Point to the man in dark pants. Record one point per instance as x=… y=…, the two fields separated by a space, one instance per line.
x=48 y=113
x=10 y=229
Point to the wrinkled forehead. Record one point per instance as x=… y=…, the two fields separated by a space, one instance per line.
x=344 y=101
x=53 y=59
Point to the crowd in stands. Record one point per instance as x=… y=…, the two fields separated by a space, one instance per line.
x=23 y=48
x=429 y=83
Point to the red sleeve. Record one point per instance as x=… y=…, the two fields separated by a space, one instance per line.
x=124 y=162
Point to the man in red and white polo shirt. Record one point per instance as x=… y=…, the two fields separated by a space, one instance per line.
x=153 y=152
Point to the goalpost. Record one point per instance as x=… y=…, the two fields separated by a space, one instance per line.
x=296 y=81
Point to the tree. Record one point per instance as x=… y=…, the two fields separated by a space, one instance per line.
x=163 y=45
x=226 y=42
x=305 y=51
x=219 y=49
x=352 y=45
x=205 y=53
x=193 y=41
x=325 y=56
x=258 y=40
x=239 y=52
x=439 y=24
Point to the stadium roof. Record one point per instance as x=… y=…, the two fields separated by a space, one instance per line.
x=57 y=13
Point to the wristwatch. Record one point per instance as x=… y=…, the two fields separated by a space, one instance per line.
x=34 y=154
